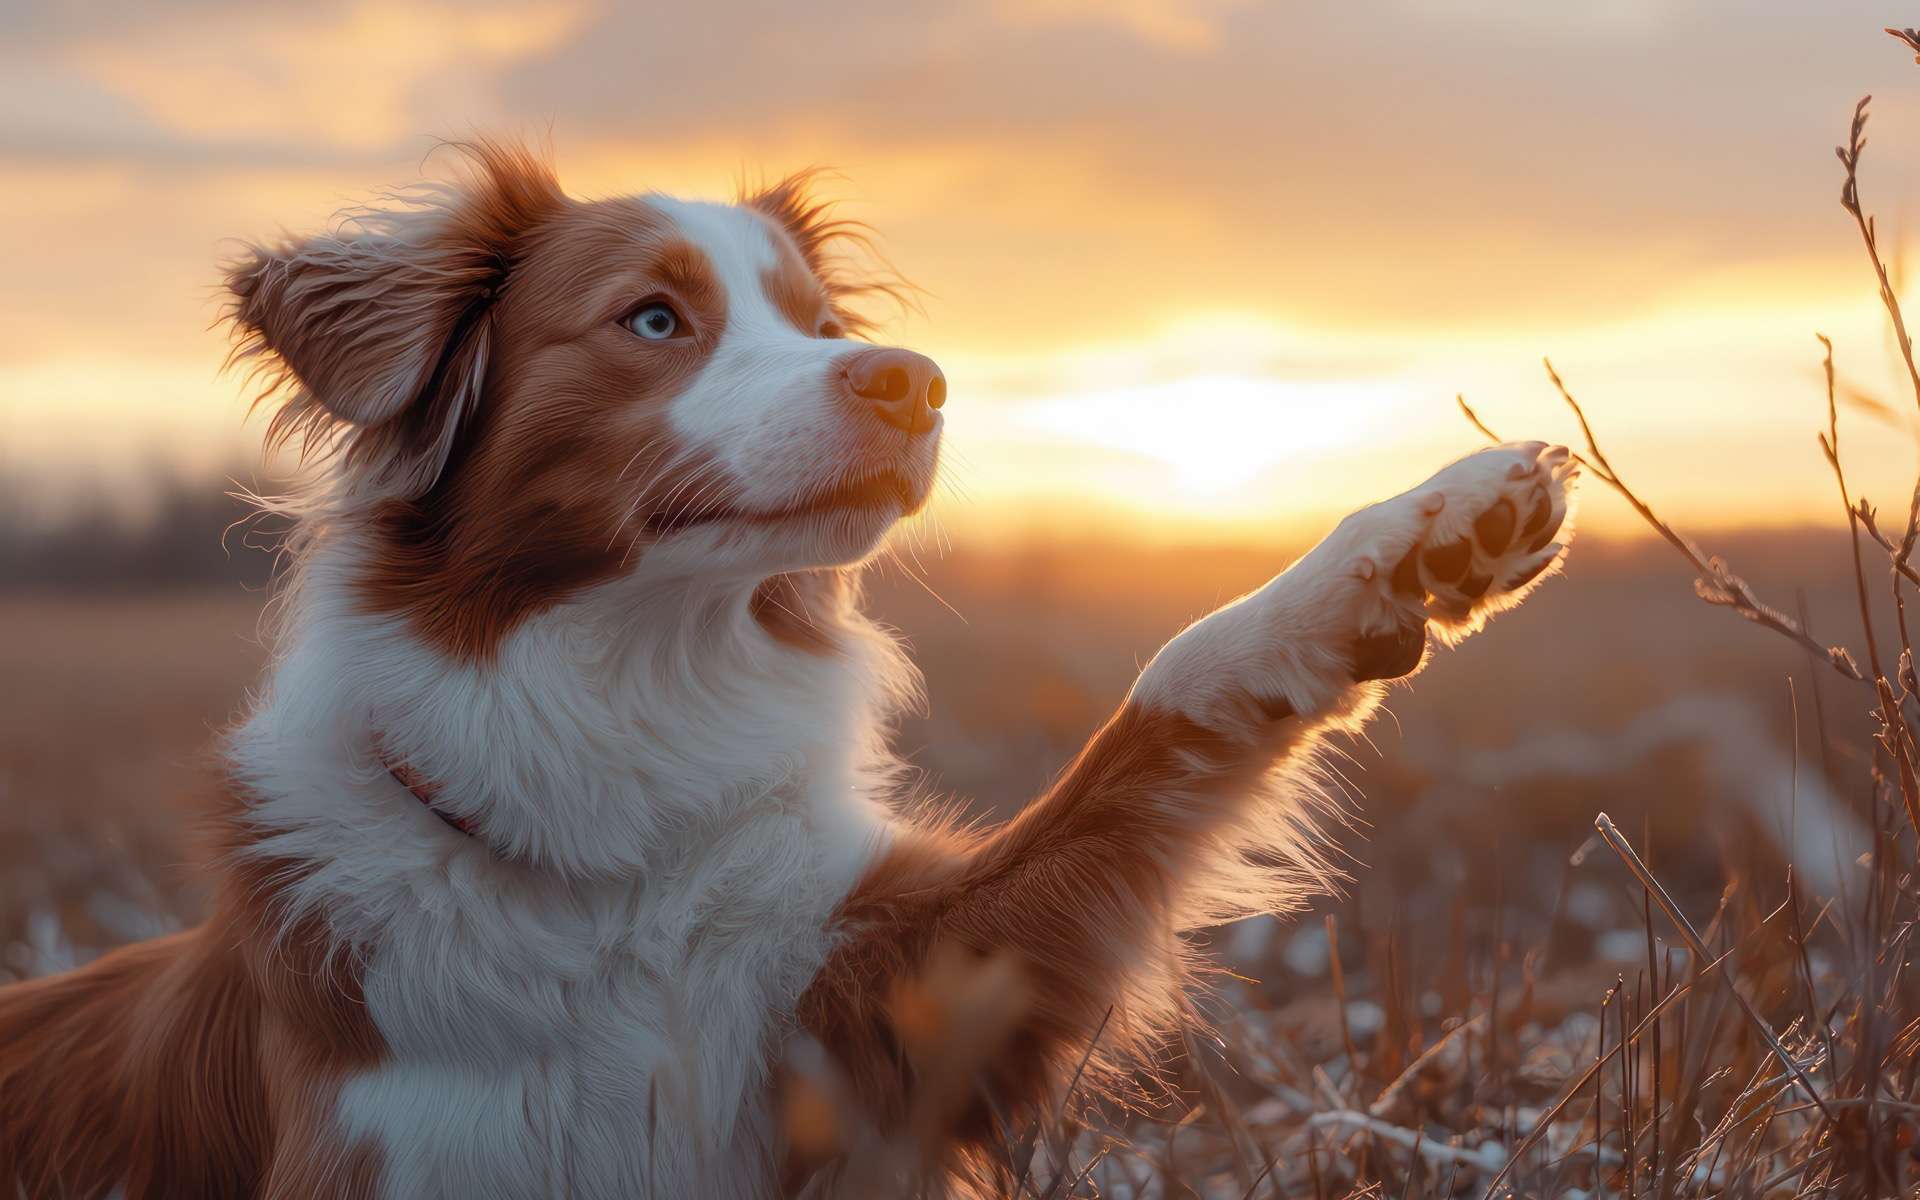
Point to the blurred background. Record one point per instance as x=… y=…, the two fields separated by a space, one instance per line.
x=1203 y=275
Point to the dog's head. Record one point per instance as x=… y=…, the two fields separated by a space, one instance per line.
x=527 y=395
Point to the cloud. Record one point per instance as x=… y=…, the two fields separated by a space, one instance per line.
x=1377 y=180
x=1060 y=169
x=359 y=76
x=1187 y=25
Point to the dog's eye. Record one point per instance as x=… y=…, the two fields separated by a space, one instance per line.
x=655 y=322
x=832 y=329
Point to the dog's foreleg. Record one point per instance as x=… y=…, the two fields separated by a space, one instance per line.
x=1174 y=816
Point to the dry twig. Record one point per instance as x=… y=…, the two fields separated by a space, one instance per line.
x=1717 y=583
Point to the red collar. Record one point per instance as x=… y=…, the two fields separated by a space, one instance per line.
x=424 y=792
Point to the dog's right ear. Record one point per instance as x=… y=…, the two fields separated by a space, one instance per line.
x=376 y=336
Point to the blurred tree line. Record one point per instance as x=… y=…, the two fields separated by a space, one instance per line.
x=188 y=533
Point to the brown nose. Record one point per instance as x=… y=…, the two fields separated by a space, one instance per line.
x=901 y=387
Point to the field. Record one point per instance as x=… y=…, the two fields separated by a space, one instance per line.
x=1709 y=994
x=1478 y=892
x=1614 y=689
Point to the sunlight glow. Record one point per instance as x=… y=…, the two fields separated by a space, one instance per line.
x=1216 y=431
x=1194 y=268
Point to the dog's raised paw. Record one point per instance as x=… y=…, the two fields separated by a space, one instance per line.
x=1470 y=542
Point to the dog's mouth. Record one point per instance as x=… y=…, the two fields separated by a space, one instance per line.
x=886 y=491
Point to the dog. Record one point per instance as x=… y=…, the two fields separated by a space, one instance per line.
x=561 y=852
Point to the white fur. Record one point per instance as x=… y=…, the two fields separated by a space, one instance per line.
x=1291 y=639
x=765 y=412
x=671 y=806
x=762 y=406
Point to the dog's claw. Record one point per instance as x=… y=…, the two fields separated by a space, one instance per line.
x=1532 y=572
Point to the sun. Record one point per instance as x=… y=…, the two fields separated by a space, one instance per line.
x=1216 y=431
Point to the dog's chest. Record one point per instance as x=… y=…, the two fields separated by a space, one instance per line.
x=597 y=1042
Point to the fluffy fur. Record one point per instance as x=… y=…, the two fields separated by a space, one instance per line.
x=598 y=587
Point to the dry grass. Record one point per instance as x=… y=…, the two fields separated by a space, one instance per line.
x=1612 y=689
x=1716 y=1002
x=106 y=716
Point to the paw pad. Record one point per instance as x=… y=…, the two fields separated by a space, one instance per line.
x=1494 y=527
x=1406 y=576
x=1390 y=655
x=1496 y=533
x=1544 y=523
x=1482 y=532
x=1446 y=564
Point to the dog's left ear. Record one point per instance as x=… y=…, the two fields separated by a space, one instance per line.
x=376 y=335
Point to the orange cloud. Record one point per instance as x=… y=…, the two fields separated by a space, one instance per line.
x=355 y=77
x=1215 y=263
x=1185 y=25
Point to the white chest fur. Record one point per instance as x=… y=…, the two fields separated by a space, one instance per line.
x=610 y=1040
x=582 y=1002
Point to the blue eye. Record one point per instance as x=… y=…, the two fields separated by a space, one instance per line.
x=655 y=322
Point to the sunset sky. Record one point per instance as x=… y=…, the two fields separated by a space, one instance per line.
x=1194 y=269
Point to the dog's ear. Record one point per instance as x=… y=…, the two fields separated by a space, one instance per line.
x=375 y=336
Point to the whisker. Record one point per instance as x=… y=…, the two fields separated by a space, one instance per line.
x=929 y=589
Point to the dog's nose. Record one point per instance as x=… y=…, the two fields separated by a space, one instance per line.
x=901 y=387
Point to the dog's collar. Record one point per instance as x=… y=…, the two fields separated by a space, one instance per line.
x=424 y=791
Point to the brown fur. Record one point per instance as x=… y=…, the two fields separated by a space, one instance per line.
x=377 y=338
x=1080 y=892
x=818 y=236
x=202 y=1064
x=524 y=515
x=803 y=609
x=796 y=292
x=518 y=294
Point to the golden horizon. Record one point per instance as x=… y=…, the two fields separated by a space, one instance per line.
x=1193 y=311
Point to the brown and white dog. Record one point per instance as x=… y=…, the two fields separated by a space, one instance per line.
x=564 y=822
